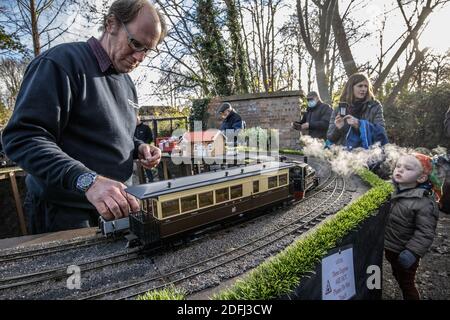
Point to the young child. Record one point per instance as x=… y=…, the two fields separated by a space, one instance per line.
x=412 y=220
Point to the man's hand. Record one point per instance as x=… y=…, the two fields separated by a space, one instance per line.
x=352 y=121
x=296 y=125
x=305 y=126
x=110 y=199
x=149 y=155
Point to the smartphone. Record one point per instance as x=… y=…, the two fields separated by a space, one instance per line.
x=343 y=109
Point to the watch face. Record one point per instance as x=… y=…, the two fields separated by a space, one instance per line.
x=85 y=181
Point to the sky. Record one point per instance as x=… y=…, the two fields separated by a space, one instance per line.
x=435 y=36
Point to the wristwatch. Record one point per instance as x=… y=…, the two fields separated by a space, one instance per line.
x=85 y=181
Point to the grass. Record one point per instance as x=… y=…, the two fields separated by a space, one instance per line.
x=170 y=293
x=281 y=274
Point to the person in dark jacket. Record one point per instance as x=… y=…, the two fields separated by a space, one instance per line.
x=143 y=131
x=231 y=120
x=73 y=125
x=144 y=134
x=357 y=102
x=232 y=123
x=412 y=220
x=316 y=118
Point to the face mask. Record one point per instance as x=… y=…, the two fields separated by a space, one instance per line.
x=312 y=103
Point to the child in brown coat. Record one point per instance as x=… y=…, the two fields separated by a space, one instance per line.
x=412 y=220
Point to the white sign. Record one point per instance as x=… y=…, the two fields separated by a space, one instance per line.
x=338 y=276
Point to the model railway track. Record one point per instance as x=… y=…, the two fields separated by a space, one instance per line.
x=59 y=272
x=300 y=225
x=33 y=253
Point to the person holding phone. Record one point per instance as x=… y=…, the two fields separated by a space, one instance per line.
x=358 y=119
x=315 y=120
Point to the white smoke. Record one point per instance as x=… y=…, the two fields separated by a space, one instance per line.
x=345 y=162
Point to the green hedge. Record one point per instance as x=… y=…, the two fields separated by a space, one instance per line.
x=291 y=151
x=281 y=274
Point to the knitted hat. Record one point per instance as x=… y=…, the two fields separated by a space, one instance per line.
x=430 y=171
x=426 y=163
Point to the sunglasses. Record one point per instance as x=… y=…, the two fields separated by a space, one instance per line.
x=137 y=46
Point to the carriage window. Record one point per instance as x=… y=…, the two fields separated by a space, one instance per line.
x=283 y=179
x=273 y=182
x=222 y=195
x=170 y=208
x=236 y=191
x=155 y=208
x=206 y=199
x=188 y=203
x=256 y=186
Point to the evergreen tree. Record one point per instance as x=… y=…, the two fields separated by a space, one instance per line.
x=9 y=42
x=240 y=70
x=212 y=47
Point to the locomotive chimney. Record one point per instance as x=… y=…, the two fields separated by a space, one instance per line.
x=305 y=159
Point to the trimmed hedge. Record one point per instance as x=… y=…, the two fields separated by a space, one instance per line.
x=291 y=151
x=281 y=274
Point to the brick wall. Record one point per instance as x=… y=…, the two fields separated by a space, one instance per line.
x=266 y=110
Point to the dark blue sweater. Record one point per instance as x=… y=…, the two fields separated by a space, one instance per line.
x=71 y=118
x=232 y=122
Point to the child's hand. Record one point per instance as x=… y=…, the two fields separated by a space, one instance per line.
x=406 y=259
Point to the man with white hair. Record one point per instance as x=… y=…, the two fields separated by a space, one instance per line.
x=73 y=124
x=231 y=120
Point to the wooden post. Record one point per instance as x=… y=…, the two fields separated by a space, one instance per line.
x=141 y=173
x=155 y=130
x=15 y=189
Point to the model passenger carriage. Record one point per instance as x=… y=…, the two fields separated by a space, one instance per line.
x=172 y=207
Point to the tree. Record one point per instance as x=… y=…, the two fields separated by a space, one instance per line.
x=11 y=75
x=9 y=43
x=433 y=71
x=238 y=52
x=342 y=41
x=212 y=47
x=39 y=23
x=317 y=42
x=412 y=33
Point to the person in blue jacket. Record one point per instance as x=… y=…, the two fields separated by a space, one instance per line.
x=231 y=120
x=358 y=119
x=232 y=123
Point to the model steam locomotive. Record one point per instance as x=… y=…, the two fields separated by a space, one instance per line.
x=173 y=207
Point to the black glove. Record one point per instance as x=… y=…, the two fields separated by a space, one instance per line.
x=406 y=259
